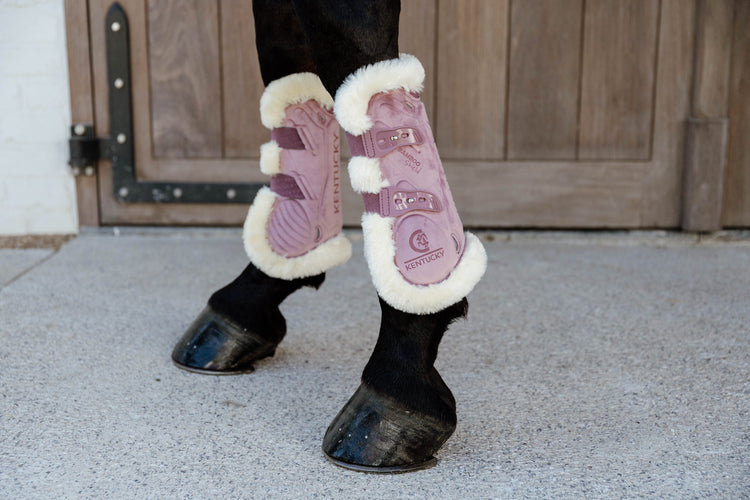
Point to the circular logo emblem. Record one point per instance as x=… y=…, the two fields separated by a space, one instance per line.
x=418 y=241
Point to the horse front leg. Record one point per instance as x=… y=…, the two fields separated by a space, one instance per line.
x=292 y=233
x=422 y=264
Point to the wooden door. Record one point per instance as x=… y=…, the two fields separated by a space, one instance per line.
x=571 y=112
x=547 y=113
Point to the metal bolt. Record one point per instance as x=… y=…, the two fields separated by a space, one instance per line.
x=231 y=194
x=123 y=192
x=76 y=171
x=394 y=137
x=79 y=129
x=177 y=192
x=89 y=171
x=119 y=83
x=122 y=138
x=115 y=26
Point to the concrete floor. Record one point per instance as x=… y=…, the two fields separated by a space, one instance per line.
x=591 y=365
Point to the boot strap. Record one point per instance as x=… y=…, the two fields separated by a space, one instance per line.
x=287 y=138
x=286 y=186
x=392 y=202
x=282 y=184
x=376 y=143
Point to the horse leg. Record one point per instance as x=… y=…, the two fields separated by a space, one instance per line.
x=422 y=264
x=292 y=233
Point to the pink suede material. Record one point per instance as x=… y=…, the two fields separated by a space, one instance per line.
x=310 y=214
x=287 y=138
x=427 y=232
x=286 y=186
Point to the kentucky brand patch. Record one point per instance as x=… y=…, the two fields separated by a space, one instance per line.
x=421 y=250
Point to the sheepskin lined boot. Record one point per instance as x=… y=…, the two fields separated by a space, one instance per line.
x=422 y=265
x=292 y=233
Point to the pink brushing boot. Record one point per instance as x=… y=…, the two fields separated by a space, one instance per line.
x=422 y=265
x=292 y=233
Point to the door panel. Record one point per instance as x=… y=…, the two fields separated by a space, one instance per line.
x=241 y=81
x=617 y=80
x=184 y=70
x=472 y=54
x=547 y=114
x=545 y=70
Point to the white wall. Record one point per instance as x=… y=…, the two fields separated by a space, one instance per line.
x=37 y=191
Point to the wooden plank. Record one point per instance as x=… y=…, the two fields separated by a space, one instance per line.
x=619 y=47
x=522 y=194
x=81 y=99
x=568 y=194
x=705 y=160
x=736 y=212
x=242 y=86
x=472 y=60
x=662 y=183
x=417 y=37
x=183 y=37
x=541 y=194
x=712 y=58
x=543 y=79
x=211 y=170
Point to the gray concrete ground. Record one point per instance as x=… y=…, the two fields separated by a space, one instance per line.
x=591 y=365
x=14 y=263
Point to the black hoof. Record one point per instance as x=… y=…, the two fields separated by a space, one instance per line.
x=374 y=433
x=216 y=345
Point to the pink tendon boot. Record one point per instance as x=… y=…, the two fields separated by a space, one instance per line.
x=292 y=233
x=420 y=259
x=293 y=228
x=422 y=264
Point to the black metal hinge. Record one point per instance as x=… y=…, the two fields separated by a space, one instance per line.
x=86 y=149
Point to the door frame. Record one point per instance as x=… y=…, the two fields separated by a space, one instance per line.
x=78 y=41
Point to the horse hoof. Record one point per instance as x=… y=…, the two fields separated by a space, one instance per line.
x=375 y=433
x=216 y=345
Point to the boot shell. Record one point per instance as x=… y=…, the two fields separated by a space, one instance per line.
x=420 y=259
x=293 y=228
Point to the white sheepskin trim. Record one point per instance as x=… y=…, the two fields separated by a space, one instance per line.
x=365 y=176
x=291 y=89
x=353 y=96
x=380 y=252
x=329 y=254
x=270 y=158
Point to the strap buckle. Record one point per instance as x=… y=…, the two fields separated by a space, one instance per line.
x=376 y=143
x=392 y=202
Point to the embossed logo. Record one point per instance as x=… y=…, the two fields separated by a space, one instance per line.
x=418 y=241
x=411 y=161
